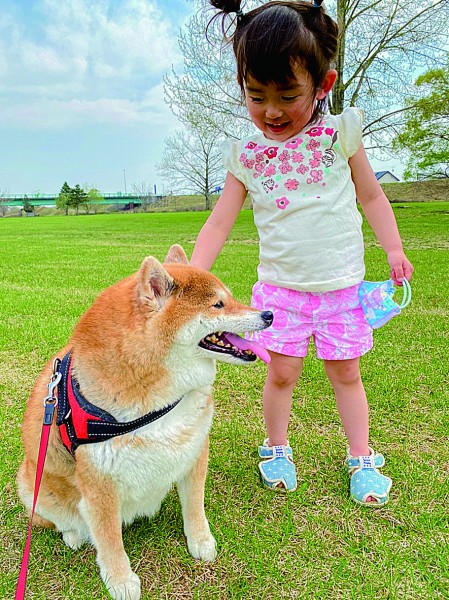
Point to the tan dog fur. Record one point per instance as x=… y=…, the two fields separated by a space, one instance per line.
x=136 y=350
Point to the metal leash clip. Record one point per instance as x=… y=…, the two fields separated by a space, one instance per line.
x=51 y=400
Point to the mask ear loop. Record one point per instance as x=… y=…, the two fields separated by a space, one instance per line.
x=407 y=294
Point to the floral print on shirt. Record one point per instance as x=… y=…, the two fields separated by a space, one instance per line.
x=302 y=161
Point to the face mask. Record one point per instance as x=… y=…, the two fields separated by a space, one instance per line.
x=376 y=298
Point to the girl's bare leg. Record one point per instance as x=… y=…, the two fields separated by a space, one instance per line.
x=283 y=373
x=352 y=405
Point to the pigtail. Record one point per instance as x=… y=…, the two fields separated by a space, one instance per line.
x=226 y=6
x=324 y=28
x=230 y=12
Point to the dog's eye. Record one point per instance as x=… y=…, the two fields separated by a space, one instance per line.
x=219 y=304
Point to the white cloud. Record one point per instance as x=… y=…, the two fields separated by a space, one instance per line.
x=126 y=38
x=58 y=114
x=81 y=92
x=33 y=57
x=85 y=60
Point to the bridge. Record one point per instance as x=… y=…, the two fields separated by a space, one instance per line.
x=50 y=199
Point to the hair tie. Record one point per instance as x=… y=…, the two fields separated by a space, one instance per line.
x=239 y=13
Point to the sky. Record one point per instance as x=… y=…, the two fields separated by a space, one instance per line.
x=81 y=92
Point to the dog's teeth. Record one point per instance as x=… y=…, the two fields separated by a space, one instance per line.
x=220 y=343
x=248 y=352
x=229 y=346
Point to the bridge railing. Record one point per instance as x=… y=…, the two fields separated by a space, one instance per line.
x=50 y=199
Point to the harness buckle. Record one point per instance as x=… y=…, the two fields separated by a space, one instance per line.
x=52 y=385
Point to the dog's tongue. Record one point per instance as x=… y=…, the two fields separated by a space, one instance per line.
x=243 y=344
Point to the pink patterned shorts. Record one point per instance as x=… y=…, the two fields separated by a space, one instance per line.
x=335 y=320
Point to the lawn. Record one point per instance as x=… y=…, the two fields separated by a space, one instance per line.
x=315 y=543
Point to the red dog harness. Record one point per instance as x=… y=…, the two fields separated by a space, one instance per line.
x=80 y=422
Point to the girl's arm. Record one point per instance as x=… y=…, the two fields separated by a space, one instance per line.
x=379 y=215
x=216 y=229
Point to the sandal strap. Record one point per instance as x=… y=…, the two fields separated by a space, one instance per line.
x=358 y=463
x=268 y=452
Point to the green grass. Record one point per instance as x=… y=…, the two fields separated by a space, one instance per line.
x=315 y=543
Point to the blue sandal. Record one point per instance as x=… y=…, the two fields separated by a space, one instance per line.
x=277 y=470
x=366 y=480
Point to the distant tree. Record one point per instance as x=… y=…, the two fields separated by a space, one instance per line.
x=93 y=199
x=63 y=201
x=27 y=206
x=425 y=136
x=78 y=197
x=191 y=162
x=3 y=199
x=143 y=190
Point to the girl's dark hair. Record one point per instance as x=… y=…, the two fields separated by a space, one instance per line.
x=270 y=41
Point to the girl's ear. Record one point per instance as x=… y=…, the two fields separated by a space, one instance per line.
x=328 y=82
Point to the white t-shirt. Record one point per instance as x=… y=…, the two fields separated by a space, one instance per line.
x=304 y=203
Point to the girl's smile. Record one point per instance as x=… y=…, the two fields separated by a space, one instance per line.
x=281 y=111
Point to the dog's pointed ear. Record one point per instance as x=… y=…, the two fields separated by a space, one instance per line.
x=176 y=254
x=154 y=284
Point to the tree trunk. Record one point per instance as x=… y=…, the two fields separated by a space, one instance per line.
x=338 y=91
x=206 y=181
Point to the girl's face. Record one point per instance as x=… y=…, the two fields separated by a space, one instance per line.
x=282 y=111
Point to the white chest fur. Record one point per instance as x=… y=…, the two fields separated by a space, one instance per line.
x=146 y=463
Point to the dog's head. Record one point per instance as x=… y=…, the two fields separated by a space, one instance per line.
x=196 y=311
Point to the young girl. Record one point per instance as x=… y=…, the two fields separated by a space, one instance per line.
x=304 y=170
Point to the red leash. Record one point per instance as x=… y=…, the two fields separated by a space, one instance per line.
x=50 y=403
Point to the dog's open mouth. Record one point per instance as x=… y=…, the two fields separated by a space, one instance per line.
x=230 y=343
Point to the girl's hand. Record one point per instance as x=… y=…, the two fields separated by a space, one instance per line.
x=400 y=266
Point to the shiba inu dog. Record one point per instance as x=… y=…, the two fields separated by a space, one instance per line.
x=135 y=409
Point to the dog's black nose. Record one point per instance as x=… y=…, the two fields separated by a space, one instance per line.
x=267 y=316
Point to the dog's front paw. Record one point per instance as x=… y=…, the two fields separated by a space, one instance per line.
x=123 y=588
x=203 y=547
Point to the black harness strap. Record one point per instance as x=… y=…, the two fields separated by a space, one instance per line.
x=84 y=423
